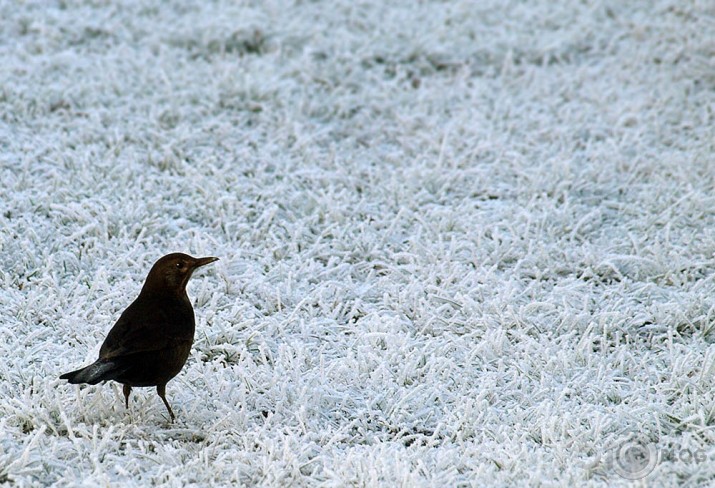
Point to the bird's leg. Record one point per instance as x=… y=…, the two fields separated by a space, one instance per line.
x=127 y=391
x=161 y=390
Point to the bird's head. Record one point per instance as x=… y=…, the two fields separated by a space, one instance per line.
x=172 y=272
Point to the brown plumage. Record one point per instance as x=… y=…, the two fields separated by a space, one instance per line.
x=151 y=341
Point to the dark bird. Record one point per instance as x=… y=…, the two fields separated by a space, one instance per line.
x=151 y=341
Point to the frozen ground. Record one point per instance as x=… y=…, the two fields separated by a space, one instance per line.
x=462 y=243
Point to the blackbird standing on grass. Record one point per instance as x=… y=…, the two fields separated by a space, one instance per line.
x=151 y=341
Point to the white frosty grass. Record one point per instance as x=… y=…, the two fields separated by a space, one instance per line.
x=462 y=243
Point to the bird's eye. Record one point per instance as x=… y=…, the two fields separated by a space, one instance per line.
x=179 y=265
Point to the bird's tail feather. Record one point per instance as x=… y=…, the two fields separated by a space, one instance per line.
x=100 y=370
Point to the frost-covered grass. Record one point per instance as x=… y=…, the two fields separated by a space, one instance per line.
x=462 y=243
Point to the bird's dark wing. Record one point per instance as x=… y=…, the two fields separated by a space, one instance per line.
x=149 y=325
